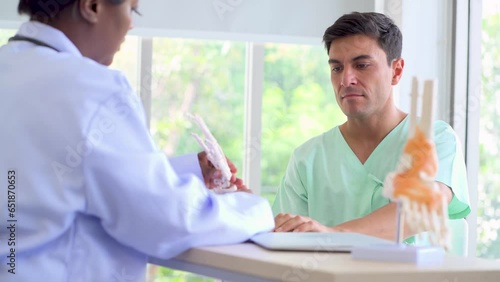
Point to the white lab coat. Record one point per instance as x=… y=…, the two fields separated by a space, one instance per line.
x=94 y=197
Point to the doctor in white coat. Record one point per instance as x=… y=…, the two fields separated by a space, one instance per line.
x=86 y=195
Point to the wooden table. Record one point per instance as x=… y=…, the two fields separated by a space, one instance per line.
x=249 y=262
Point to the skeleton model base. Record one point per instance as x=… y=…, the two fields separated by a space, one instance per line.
x=421 y=205
x=400 y=253
x=412 y=185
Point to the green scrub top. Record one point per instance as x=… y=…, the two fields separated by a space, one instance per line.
x=326 y=181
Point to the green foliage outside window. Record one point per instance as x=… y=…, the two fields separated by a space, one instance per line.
x=298 y=103
x=208 y=78
x=204 y=78
x=489 y=179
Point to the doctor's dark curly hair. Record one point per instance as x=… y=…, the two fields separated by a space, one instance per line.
x=47 y=10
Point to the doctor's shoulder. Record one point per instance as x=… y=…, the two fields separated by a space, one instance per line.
x=92 y=77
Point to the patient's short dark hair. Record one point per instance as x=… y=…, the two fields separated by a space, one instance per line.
x=375 y=25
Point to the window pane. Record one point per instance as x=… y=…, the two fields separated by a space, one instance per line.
x=126 y=60
x=206 y=78
x=200 y=77
x=488 y=244
x=298 y=103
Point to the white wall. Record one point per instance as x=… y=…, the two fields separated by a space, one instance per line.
x=295 y=21
x=249 y=20
x=8 y=14
x=426 y=49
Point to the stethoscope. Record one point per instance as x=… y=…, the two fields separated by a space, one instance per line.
x=32 y=40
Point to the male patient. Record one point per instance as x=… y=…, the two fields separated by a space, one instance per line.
x=334 y=181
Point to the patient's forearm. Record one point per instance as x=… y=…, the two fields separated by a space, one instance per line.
x=380 y=223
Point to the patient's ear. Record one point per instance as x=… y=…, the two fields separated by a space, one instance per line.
x=88 y=10
x=397 y=70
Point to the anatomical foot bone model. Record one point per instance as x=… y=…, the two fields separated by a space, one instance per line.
x=214 y=155
x=421 y=205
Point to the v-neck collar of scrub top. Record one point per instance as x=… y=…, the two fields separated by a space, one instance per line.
x=48 y=35
x=387 y=139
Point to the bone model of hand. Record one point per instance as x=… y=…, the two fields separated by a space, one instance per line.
x=215 y=155
x=424 y=207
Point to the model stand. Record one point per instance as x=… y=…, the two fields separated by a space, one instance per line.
x=421 y=206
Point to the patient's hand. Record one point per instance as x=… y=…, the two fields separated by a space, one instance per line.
x=285 y=222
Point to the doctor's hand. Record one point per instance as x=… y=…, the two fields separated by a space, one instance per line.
x=210 y=173
x=285 y=222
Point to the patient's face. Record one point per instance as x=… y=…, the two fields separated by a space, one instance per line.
x=360 y=76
